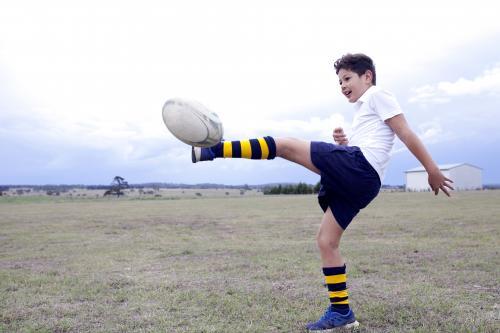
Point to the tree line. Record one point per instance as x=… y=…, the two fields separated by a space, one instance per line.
x=300 y=188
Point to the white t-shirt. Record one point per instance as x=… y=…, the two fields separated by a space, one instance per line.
x=370 y=132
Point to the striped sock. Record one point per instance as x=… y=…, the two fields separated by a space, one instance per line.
x=336 y=281
x=255 y=149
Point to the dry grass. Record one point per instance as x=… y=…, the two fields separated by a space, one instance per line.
x=416 y=264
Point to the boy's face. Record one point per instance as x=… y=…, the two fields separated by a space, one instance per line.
x=352 y=85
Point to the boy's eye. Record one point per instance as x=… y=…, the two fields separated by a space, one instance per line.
x=345 y=79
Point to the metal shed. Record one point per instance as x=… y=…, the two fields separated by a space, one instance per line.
x=465 y=176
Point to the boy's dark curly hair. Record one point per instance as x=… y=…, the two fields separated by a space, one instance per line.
x=359 y=63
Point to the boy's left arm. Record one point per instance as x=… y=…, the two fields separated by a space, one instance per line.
x=436 y=179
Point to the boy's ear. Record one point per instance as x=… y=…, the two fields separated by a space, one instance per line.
x=369 y=75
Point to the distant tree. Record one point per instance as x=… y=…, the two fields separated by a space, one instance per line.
x=303 y=188
x=116 y=187
x=300 y=188
x=317 y=187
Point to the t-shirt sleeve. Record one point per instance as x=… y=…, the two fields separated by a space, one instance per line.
x=385 y=104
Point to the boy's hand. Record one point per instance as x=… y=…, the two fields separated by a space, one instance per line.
x=438 y=181
x=339 y=136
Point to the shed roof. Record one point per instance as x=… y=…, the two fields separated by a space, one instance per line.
x=443 y=167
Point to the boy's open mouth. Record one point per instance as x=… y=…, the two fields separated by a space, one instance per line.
x=347 y=93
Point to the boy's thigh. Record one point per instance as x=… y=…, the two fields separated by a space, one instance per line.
x=296 y=150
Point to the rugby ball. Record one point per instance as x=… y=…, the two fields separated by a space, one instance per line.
x=192 y=123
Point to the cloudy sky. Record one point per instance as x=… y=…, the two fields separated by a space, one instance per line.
x=82 y=83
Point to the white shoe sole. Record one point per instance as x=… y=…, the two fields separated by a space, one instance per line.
x=196 y=154
x=354 y=326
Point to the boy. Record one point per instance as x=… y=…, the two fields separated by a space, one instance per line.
x=351 y=171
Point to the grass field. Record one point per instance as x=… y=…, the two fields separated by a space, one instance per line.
x=416 y=263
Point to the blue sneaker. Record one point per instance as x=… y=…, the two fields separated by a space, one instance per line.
x=201 y=154
x=331 y=320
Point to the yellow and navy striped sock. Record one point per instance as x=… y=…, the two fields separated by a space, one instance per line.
x=255 y=149
x=336 y=281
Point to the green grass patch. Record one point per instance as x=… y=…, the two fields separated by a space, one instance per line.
x=416 y=263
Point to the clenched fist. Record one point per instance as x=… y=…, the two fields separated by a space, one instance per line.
x=339 y=136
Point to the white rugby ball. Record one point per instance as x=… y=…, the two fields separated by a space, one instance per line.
x=192 y=123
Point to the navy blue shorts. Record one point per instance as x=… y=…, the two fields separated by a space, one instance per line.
x=348 y=181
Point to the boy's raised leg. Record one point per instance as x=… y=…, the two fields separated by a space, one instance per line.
x=294 y=150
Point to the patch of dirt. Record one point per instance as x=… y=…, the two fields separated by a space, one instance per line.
x=34 y=265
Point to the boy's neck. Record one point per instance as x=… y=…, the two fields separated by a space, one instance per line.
x=367 y=88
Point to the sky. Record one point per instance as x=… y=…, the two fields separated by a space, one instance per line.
x=82 y=83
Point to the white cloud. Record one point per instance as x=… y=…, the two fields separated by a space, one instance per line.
x=432 y=132
x=314 y=128
x=443 y=92
x=429 y=132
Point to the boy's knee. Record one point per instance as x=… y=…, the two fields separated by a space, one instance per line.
x=326 y=243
